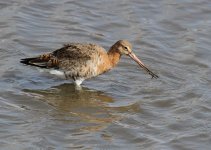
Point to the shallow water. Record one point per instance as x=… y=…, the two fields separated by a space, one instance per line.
x=123 y=109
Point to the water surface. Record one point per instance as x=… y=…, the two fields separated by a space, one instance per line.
x=124 y=108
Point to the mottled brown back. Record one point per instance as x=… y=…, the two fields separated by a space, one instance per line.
x=77 y=60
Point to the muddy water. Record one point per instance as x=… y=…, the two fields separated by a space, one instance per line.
x=123 y=109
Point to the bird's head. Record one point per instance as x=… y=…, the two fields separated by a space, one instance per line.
x=125 y=48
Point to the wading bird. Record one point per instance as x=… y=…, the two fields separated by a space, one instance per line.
x=80 y=61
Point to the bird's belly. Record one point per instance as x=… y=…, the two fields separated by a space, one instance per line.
x=79 y=81
x=62 y=74
x=58 y=73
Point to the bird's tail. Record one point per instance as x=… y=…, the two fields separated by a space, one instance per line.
x=42 y=61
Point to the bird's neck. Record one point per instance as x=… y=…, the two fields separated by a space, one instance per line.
x=114 y=56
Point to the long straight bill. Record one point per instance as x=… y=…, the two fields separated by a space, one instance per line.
x=141 y=64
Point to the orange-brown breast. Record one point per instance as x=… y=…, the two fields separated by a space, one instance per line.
x=104 y=63
x=108 y=61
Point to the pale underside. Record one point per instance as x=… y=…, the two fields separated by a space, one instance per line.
x=61 y=74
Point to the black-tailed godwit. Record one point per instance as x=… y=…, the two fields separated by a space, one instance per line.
x=80 y=61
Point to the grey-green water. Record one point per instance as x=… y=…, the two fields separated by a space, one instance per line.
x=123 y=109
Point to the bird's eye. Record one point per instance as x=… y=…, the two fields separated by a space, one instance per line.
x=125 y=48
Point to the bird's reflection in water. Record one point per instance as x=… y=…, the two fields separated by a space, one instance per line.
x=87 y=106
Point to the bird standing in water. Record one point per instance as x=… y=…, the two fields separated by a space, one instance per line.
x=80 y=61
